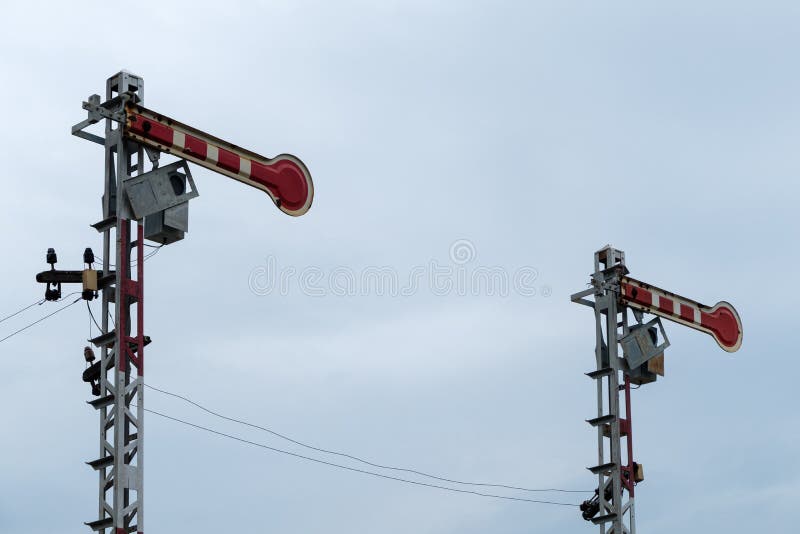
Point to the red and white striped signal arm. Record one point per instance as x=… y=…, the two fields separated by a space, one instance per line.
x=721 y=320
x=284 y=178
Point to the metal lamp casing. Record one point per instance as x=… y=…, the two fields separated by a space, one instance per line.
x=161 y=197
x=640 y=348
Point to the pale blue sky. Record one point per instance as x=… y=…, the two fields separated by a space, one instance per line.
x=538 y=131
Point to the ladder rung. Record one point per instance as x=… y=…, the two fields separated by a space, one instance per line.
x=104 y=340
x=603 y=419
x=101 y=524
x=624 y=427
x=105 y=224
x=132 y=299
x=134 y=346
x=600 y=372
x=623 y=430
x=100 y=463
x=102 y=402
x=604 y=518
x=603 y=468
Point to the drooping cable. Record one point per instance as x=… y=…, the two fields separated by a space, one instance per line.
x=354 y=469
x=91 y=314
x=155 y=250
x=134 y=262
x=356 y=458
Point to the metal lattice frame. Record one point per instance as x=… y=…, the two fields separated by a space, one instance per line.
x=131 y=131
x=615 y=478
x=120 y=404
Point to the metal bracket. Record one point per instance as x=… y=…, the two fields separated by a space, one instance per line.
x=579 y=297
x=113 y=109
x=153 y=155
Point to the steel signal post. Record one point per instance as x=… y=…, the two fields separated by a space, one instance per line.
x=642 y=360
x=613 y=504
x=120 y=465
x=151 y=204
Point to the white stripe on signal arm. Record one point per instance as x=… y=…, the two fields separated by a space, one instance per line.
x=178 y=139
x=244 y=167
x=212 y=153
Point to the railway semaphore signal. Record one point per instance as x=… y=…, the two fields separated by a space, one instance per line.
x=157 y=200
x=643 y=344
x=284 y=178
x=721 y=321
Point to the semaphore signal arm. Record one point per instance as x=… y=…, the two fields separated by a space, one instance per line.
x=721 y=320
x=630 y=351
x=284 y=178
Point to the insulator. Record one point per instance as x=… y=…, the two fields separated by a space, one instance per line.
x=590 y=508
x=92 y=373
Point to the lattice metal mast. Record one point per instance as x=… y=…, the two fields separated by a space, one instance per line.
x=643 y=345
x=120 y=466
x=613 y=503
x=139 y=205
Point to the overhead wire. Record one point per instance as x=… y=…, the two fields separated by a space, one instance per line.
x=68 y=295
x=358 y=459
x=37 y=303
x=40 y=319
x=154 y=252
x=91 y=315
x=133 y=264
x=355 y=469
x=297 y=442
x=147 y=256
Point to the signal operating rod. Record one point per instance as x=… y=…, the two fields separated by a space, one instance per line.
x=720 y=321
x=284 y=178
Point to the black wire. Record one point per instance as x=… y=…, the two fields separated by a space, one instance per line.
x=356 y=458
x=99 y=260
x=68 y=295
x=93 y=319
x=153 y=253
x=38 y=302
x=40 y=320
x=298 y=442
x=522 y=499
x=134 y=262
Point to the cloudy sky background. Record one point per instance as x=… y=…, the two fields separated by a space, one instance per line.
x=538 y=132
